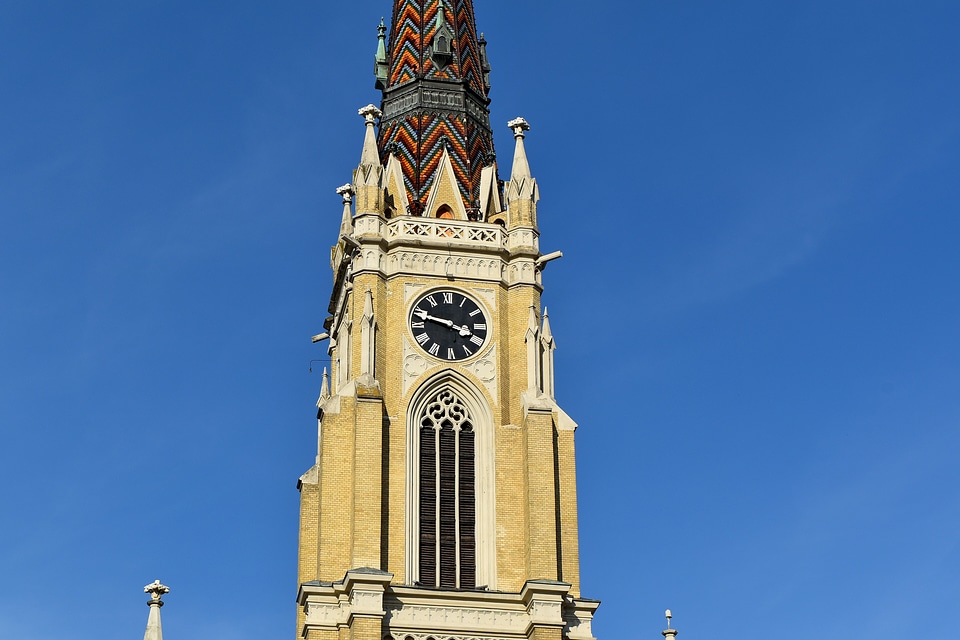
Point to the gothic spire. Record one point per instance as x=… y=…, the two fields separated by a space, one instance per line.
x=381 y=68
x=435 y=98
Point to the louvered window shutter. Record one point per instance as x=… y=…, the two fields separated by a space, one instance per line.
x=428 y=505
x=448 y=547
x=468 y=517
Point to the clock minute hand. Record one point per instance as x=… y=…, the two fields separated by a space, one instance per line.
x=423 y=315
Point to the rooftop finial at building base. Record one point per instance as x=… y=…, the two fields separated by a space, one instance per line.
x=156 y=591
x=669 y=634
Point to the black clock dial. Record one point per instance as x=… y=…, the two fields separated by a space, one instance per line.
x=448 y=325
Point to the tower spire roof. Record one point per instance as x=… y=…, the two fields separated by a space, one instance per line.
x=435 y=98
x=435 y=40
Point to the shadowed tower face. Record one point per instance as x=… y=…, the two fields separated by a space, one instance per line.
x=442 y=501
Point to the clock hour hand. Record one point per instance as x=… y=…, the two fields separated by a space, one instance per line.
x=464 y=331
x=423 y=315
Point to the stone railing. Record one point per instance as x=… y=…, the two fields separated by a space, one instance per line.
x=445 y=230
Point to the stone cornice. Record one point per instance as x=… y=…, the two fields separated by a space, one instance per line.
x=466 y=614
x=446 y=248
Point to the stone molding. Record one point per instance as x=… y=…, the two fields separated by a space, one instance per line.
x=578 y=618
x=423 y=614
x=433 y=98
x=447 y=248
x=404 y=618
x=333 y=605
x=482 y=367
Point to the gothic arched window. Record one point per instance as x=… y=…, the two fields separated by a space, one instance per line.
x=447 y=479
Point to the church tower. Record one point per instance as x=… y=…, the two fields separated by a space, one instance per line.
x=443 y=503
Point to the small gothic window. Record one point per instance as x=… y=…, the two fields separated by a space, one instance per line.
x=442 y=45
x=445 y=212
x=448 y=549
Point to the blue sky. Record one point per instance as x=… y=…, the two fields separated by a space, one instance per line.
x=757 y=312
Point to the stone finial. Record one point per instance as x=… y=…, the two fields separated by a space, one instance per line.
x=370 y=169
x=325 y=385
x=154 y=627
x=368 y=304
x=533 y=323
x=347 y=192
x=521 y=167
x=547 y=346
x=370 y=114
x=669 y=634
x=546 y=332
x=532 y=338
x=156 y=590
x=346 y=220
x=519 y=127
x=368 y=341
x=381 y=69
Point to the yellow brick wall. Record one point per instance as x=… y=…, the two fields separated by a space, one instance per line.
x=570 y=550
x=309 y=537
x=541 y=497
x=336 y=498
x=366 y=629
x=355 y=515
x=546 y=633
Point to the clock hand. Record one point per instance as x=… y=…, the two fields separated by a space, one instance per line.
x=464 y=331
x=423 y=315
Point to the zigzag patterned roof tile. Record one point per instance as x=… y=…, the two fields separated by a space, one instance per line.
x=435 y=96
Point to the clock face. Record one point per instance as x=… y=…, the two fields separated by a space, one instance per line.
x=448 y=325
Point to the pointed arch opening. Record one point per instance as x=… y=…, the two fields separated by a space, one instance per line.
x=450 y=486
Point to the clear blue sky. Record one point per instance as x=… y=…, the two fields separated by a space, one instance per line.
x=757 y=312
